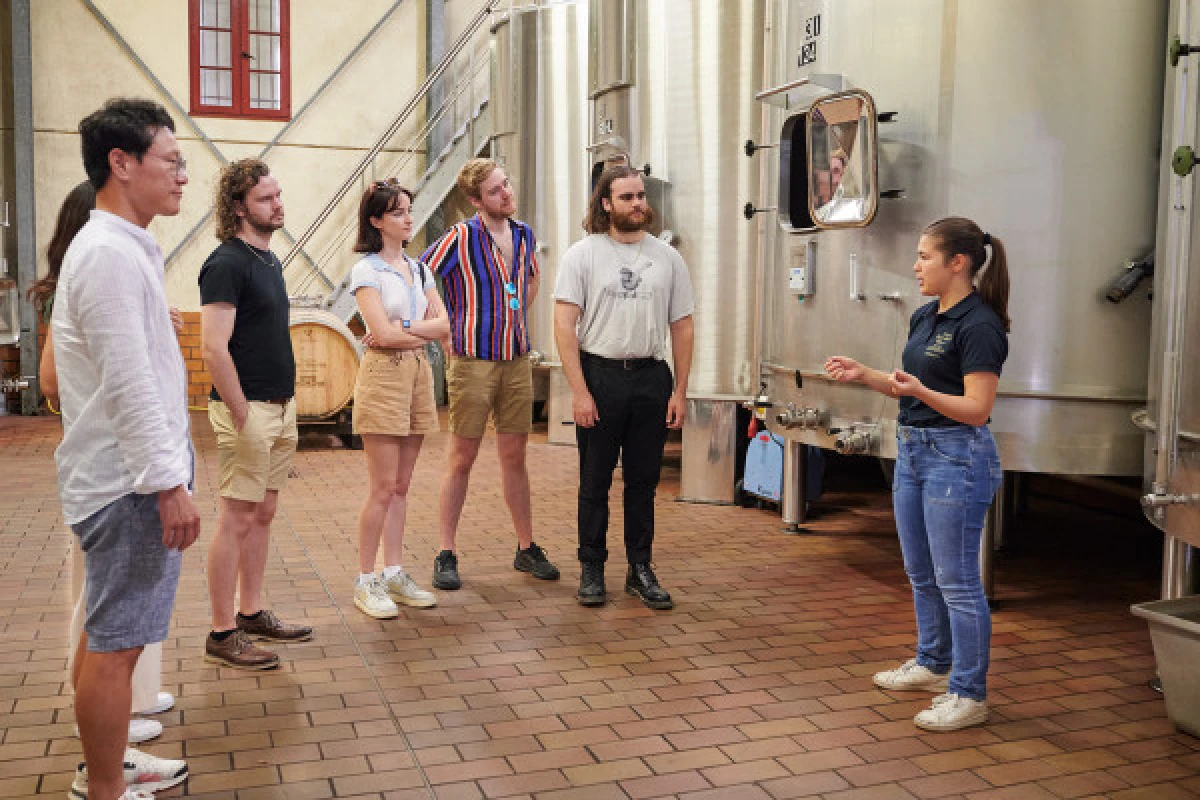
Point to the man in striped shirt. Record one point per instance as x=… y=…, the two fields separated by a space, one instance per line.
x=491 y=278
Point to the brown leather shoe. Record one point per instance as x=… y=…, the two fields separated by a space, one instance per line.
x=268 y=627
x=239 y=652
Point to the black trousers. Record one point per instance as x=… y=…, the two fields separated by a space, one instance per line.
x=632 y=405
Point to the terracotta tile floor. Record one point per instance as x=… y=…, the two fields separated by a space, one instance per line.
x=756 y=685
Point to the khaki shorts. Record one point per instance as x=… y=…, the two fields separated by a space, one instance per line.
x=393 y=395
x=479 y=389
x=259 y=458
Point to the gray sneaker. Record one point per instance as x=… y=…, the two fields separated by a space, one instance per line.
x=911 y=677
x=404 y=590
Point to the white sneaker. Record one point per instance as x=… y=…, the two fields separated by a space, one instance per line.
x=143 y=730
x=404 y=590
x=911 y=677
x=372 y=599
x=140 y=730
x=951 y=712
x=164 y=702
x=144 y=773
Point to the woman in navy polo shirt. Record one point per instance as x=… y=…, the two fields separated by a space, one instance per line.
x=947 y=469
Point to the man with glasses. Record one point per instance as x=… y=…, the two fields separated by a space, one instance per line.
x=247 y=348
x=125 y=465
x=491 y=278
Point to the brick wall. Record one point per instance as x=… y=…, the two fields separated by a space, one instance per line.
x=199 y=381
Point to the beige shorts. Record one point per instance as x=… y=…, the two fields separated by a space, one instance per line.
x=258 y=458
x=479 y=389
x=393 y=394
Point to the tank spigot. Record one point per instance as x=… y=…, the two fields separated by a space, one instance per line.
x=14 y=385
x=1158 y=501
x=808 y=418
x=789 y=417
x=858 y=441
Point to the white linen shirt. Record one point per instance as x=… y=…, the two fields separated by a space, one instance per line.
x=121 y=376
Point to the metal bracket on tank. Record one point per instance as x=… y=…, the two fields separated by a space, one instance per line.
x=1178 y=49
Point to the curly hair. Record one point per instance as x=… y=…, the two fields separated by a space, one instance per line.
x=236 y=179
x=473 y=174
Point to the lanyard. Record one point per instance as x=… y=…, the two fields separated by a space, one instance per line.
x=509 y=276
x=412 y=288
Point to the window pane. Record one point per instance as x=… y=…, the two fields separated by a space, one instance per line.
x=266 y=51
x=214 y=13
x=216 y=87
x=264 y=90
x=214 y=49
x=264 y=16
x=209 y=13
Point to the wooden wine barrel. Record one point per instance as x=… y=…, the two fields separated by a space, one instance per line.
x=327 y=357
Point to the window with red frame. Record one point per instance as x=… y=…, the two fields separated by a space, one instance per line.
x=240 y=61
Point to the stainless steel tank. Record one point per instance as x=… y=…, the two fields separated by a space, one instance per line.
x=672 y=84
x=1040 y=121
x=539 y=84
x=1172 y=418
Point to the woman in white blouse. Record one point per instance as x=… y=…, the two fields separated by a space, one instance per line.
x=394 y=405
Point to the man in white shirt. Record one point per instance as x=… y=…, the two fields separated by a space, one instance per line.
x=126 y=460
x=618 y=294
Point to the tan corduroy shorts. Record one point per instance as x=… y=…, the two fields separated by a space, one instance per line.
x=258 y=458
x=393 y=395
x=479 y=389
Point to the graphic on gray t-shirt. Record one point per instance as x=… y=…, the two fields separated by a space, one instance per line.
x=630 y=294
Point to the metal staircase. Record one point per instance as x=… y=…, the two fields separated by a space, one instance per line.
x=464 y=75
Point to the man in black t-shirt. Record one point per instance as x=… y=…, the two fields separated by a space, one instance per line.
x=248 y=351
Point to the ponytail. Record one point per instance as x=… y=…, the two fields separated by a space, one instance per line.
x=961 y=236
x=993 y=285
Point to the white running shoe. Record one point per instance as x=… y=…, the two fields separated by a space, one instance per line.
x=140 y=730
x=911 y=677
x=404 y=590
x=952 y=712
x=372 y=599
x=164 y=702
x=144 y=773
x=143 y=730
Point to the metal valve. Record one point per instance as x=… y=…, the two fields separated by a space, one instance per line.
x=14 y=384
x=858 y=441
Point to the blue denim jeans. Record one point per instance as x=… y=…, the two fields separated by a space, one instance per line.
x=945 y=480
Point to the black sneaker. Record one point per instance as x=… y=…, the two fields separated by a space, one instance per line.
x=591 y=584
x=445 y=571
x=641 y=581
x=533 y=560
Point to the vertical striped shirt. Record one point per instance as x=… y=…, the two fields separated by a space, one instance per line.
x=482 y=322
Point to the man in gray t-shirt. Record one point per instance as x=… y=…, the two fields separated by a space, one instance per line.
x=618 y=294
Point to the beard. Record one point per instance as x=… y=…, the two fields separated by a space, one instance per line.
x=632 y=222
x=263 y=226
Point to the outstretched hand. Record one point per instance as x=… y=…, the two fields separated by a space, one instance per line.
x=904 y=384
x=844 y=370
